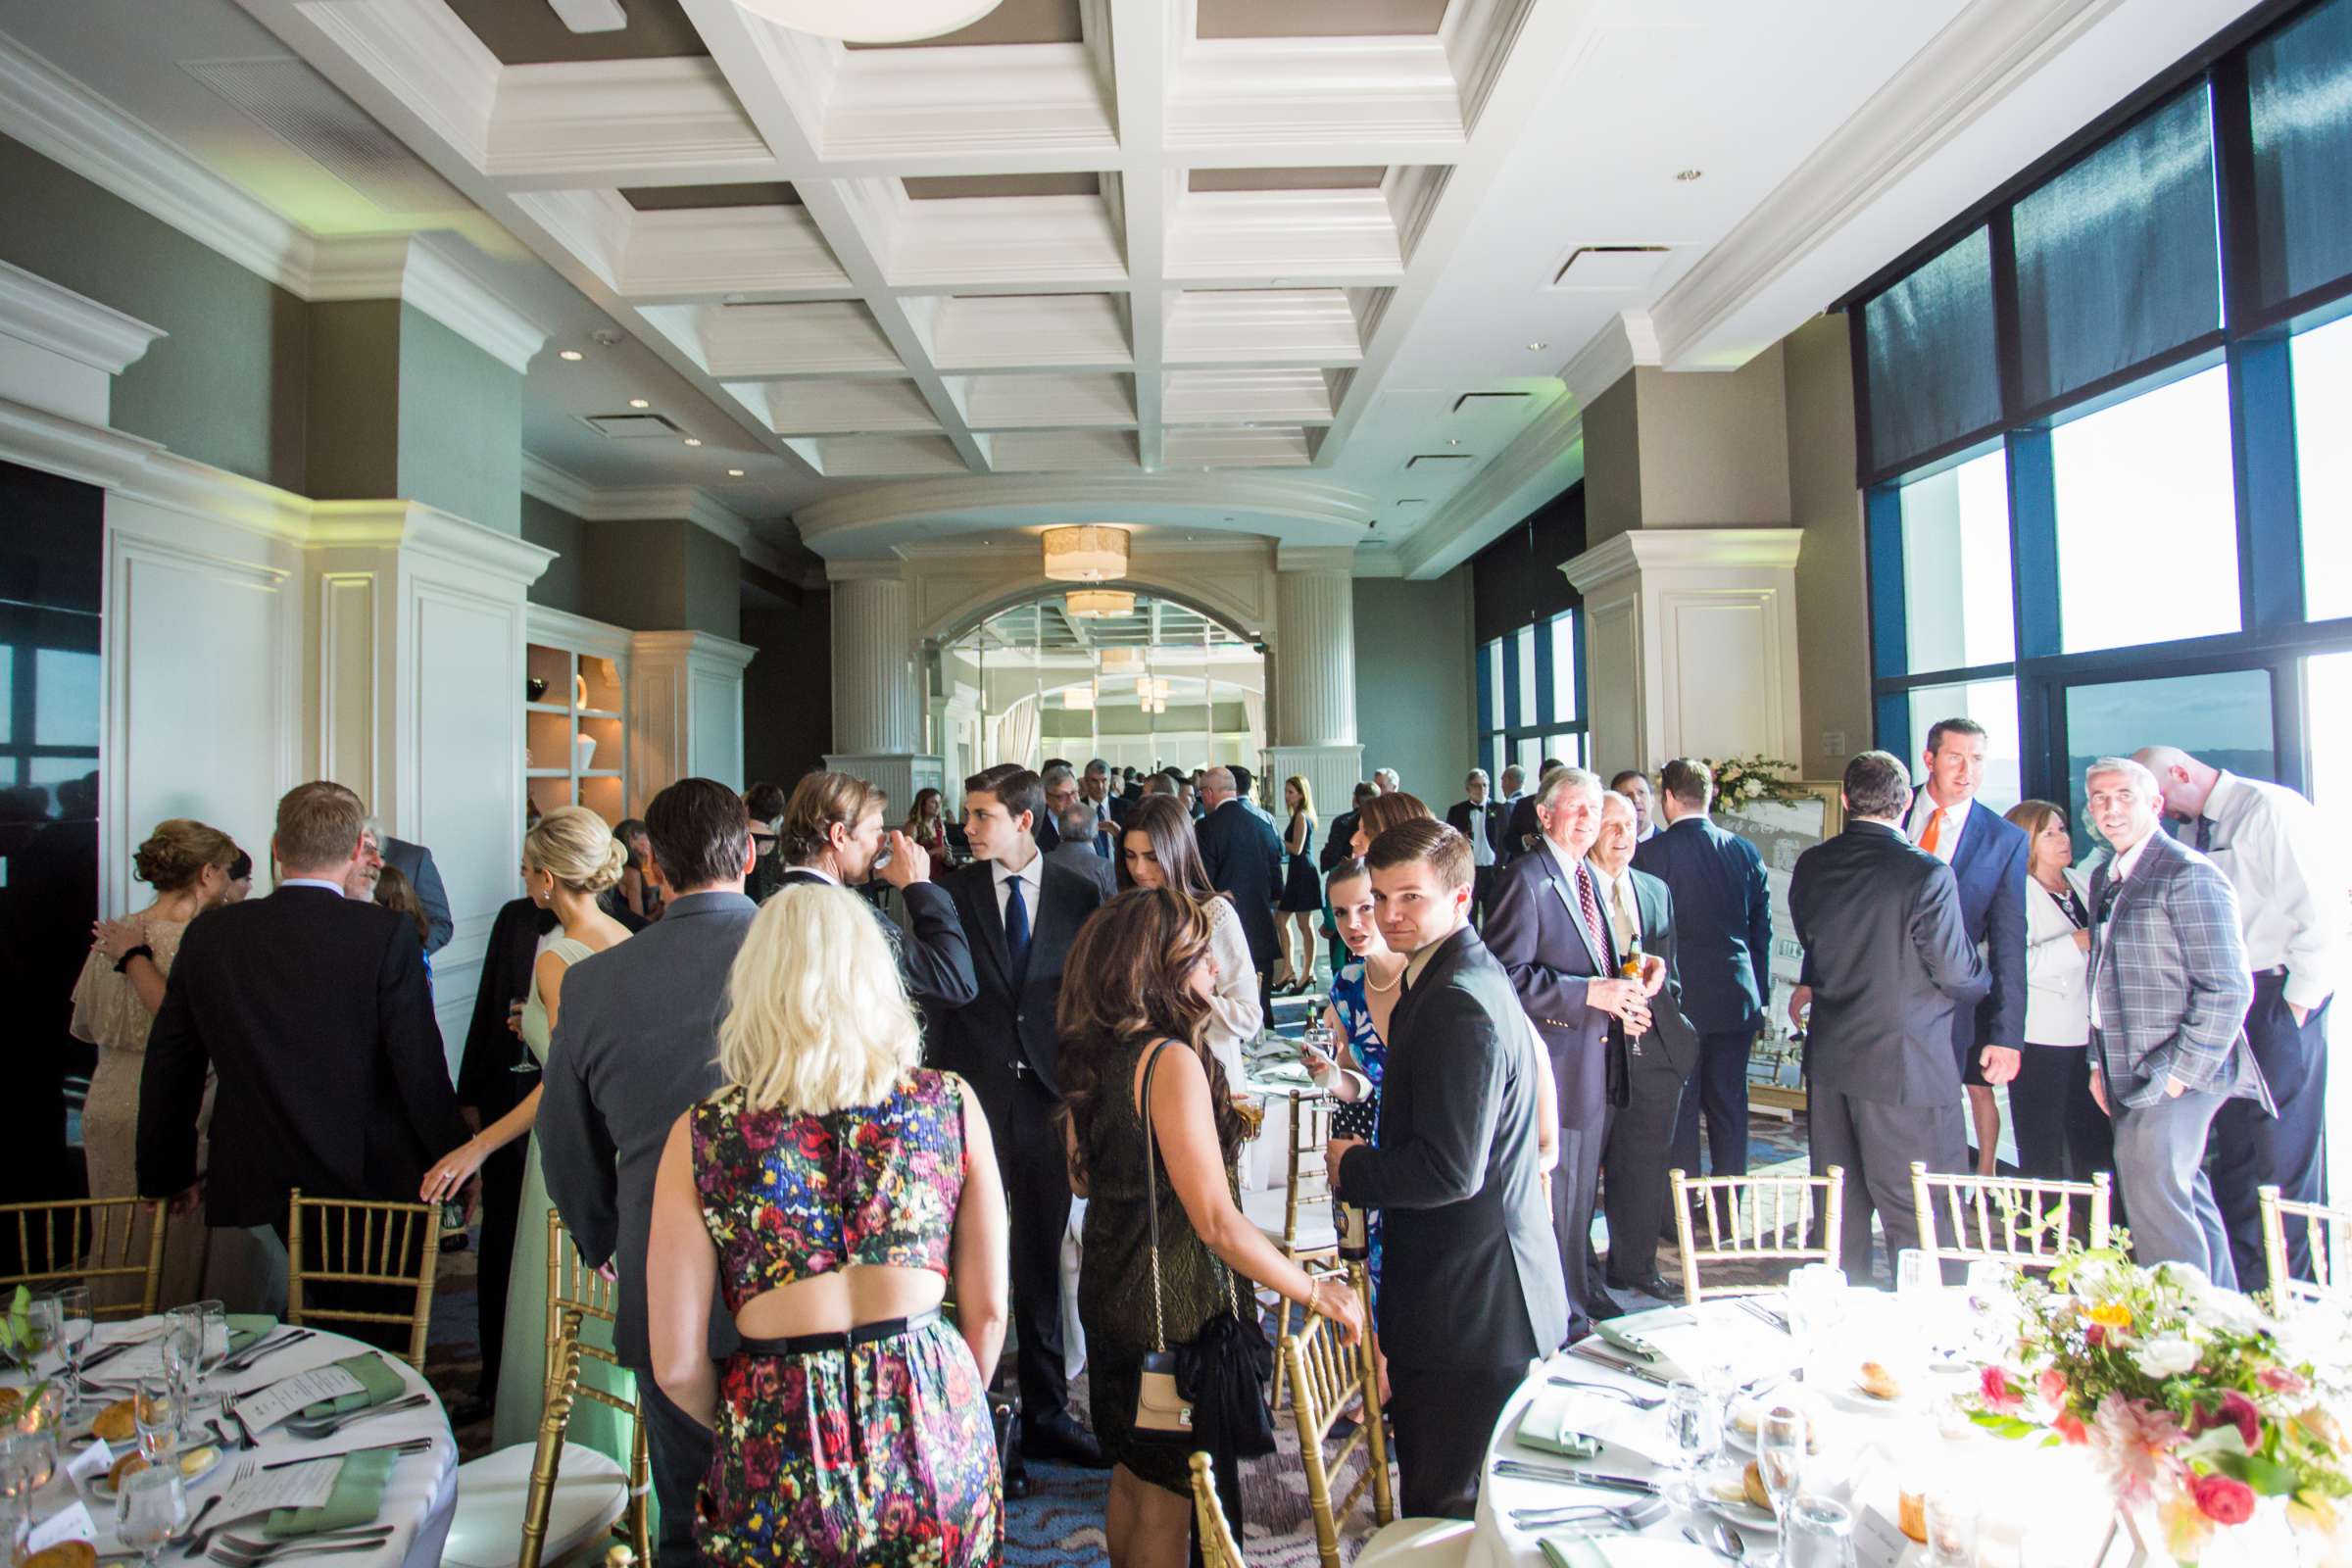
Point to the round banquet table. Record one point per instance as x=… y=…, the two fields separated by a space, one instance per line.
x=2050 y=1496
x=421 y=1496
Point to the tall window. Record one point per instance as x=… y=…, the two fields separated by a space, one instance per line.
x=2323 y=368
x=1529 y=701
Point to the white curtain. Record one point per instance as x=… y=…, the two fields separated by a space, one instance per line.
x=1017 y=736
x=1253 y=714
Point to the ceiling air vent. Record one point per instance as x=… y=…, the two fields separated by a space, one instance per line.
x=299 y=106
x=1488 y=402
x=1420 y=458
x=631 y=427
x=1610 y=266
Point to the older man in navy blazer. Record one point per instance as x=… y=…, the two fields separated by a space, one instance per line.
x=1723 y=933
x=1987 y=855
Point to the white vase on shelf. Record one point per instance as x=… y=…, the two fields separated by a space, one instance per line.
x=583 y=749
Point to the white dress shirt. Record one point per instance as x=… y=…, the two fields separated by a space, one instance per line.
x=337 y=888
x=1625 y=921
x=1947 y=837
x=1032 y=880
x=2274 y=847
x=1482 y=847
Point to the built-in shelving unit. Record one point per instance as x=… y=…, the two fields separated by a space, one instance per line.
x=576 y=714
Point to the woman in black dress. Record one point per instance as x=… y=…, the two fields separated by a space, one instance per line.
x=1302 y=889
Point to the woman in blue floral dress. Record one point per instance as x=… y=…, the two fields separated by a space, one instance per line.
x=1363 y=991
x=830 y=1191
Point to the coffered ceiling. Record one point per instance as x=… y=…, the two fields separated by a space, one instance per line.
x=1294 y=267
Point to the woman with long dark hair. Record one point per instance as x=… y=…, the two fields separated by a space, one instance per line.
x=1157 y=850
x=1135 y=1063
x=927 y=825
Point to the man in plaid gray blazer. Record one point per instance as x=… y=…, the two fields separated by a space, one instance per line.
x=2169 y=990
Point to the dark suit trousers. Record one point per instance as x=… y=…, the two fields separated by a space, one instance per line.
x=1445 y=1419
x=1719 y=1088
x=2062 y=1134
x=502 y=1205
x=1636 y=1163
x=1037 y=1196
x=1575 y=1190
x=1876 y=1144
x=678 y=1449
x=2248 y=1147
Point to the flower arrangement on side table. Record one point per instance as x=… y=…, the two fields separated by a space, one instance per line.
x=2192 y=1400
x=1742 y=781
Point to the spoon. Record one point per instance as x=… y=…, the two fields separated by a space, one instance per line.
x=1721 y=1539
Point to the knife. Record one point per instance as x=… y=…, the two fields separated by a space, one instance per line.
x=1629 y=1368
x=1525 y=1471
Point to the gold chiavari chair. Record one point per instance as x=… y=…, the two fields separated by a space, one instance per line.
x=574 y=1287
x=2329 y=1233
x=549 y=1500
x=1754 y=1220
x=1298 y=1219
x=1218 y=1549
x=2021 y=1220
x=1329 y=1378
x=351 y=1245
x=89 y=1240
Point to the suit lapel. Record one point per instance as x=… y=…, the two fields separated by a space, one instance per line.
x=991 y=919
x=1564 y=887
x=1652 y=916
x=1972 y=838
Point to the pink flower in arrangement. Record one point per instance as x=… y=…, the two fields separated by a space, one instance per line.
x=2225 y=1500
x=2069 y=1426
x=1999 y=1393
x=2094 y=1336
x=2278 y=1379
x=2052 y=1386
x=2136 y=1440
x=2234 y=1410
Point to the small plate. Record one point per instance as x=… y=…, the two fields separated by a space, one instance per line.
x=1851 y=1396
x=1743 y=1513
x=100 y=1487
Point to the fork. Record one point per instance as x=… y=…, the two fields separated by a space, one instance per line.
x=1625 y=1518
x=332 y=1424
x=1637 y=1401
x=237 y=1552
x=267 y=1345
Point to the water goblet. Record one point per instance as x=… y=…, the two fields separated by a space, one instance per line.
x=40 y=1327
x=1816 y=1532
x=1694 y=1420
x=1780 y=1440
x=20 y=1463
x=76 y=1324
x=155 y=1408
x=150 y=1509
x=210 y=1321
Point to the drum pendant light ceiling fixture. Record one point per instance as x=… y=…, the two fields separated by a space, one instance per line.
x=1090 y=552
x=1093 y=603
x=871 y=20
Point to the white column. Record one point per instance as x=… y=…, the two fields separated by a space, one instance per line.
x=1313 y=676
x=877 y=691
x=1690 y=645
x=685 y=710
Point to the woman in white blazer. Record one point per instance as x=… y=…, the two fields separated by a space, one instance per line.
x=2061 y=1132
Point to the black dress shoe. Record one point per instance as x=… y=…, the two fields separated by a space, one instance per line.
x=1063 y=1440
x=1650 y=1285
x=1605 y=1306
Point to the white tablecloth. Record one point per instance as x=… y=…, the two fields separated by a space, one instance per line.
x=420 y=1499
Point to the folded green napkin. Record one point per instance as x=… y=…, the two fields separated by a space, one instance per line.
x=1564 y=1549
x=1545 y=1426
x=1624 y=1339
x=247 y=1329
x=357 y=1497
x=380 y=1381
x=1282 y=1073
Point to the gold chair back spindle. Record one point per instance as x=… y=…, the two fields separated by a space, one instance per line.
x=363 y=1242
x=90 y=1240
x=2329 y=1231
x=2022 y=1220
x=1327 y=1378
x=1752 y=1220
x=1308 y=1167
x=547 y=1460
x=576 y=1293
x=1218 y=1549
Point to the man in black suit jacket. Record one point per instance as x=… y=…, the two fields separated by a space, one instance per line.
x=1242 y=855
x=1524 y=829
x=1547 y=930
x=1470 y=1279
x=314 y=1012
x=415 y=862
x=488 y=1087
x=1723 y=914
x=1086 y=847
x=1024 y=912
x=1886 y=960
x=1640 y=916
x=1481 y=819
x=636 y=1044
x=832 y=832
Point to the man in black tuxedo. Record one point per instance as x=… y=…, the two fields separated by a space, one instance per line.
x=1022 y=913
x=1640 y=916
x=636 y=1044
x=1887 y=959
x=1242 y=855
x=1524 y=829
x=488 y=1087
x=1548 y=931
x=313 y=1012
x=1470 y=1281
x=1722 y=914
x=1480 y=818
x=831 y=831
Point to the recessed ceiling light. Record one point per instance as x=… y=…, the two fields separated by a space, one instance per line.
x=1453 y=440
x=1537 y=348
x=1688 y=174
x=575 y=355
x=734 y=474
x=639 y=403
x=694 y=440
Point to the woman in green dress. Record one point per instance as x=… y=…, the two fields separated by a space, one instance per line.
x=569 y=858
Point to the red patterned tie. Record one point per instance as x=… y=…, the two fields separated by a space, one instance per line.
x=1590 y=904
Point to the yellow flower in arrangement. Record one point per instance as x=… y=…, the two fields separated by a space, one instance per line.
x=2311 y=1511
x=2110 y=1315
x=2186 y=1526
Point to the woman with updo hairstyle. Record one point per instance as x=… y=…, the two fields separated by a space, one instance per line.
x=115 y=1002
x=568 y=858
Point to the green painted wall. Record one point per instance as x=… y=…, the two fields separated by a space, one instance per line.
x=460 y=426
x=226 y=387
x=564 y=585
x=713 y=579
x=354 y=423
x=1413 y=673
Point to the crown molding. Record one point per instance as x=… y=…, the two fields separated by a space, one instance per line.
x=409 y=268
x=569 y=493
x=983 y=500
x=558 y=487
x=70 y=325
x=1330 y=560
x=694 y=648
x=414 y=526
x=1640 y=550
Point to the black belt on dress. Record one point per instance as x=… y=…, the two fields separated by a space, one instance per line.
x=889 y=1328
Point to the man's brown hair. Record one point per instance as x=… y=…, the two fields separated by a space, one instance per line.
x=818 y=802
x=700 y=832
x=319 y=824
x=1431 y=843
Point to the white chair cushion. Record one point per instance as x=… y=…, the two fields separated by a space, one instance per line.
x=590 y=1490
x=1316 y=1232
x=1417 y=1544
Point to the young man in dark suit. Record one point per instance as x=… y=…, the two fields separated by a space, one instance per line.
x=313 y=1012
x=1723 y=939
x=1887 y=960
x=1242 y=855
x=636 y=1044
x=1470 y=1281
x=1021 y=915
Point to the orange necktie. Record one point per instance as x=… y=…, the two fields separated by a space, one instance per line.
x=1926 y=840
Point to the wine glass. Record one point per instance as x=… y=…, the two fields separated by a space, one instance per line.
x=183 y=1350
x=210 y=1321
x=26 y=1461
x=75 y=1327
x=1694 y=1420
x=525 y=1062
x=40 y=1327
x=1781 y=1438
x=150 y=1509
x=1816 y=1532
x=155 y=1408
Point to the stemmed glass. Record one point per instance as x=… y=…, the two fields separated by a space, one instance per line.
x=1781 y=1438
x=1817 y=1532
x=155 y=1410
x=28 y=1459
x=1694 y=1420
x=74 y=1327
x=150 y=1509
x=40 y=1327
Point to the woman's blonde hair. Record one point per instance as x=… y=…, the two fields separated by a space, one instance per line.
x=177 y=853
x=817 y=1019
x=572 y=845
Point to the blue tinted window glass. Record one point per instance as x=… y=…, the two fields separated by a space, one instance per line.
x=1931 y=374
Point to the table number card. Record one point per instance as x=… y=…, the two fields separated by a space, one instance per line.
x=72 y=1523
x=265 y=1407
x=1878 y=1541
x=95 y=1460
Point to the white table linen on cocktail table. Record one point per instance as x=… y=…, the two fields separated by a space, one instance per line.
x=421 y=1496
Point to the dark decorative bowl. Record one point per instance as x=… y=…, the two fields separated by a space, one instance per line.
x=535 y=687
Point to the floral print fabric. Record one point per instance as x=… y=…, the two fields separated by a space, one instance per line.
x=1360 y=1118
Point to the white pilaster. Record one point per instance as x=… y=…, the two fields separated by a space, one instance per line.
x=1313 y=674
x=877 y=706
x=685 y=710
x=1690 y=645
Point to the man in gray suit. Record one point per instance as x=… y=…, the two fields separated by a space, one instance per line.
x=415 y=862
x=1083 y=848
x=636 y=1044
x=2169 y=993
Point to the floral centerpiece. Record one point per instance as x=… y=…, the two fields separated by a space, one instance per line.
x=1746 y=780
x=2193 y=1400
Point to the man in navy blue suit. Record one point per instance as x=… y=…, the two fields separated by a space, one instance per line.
x=1987 y=855
x=1723 y=935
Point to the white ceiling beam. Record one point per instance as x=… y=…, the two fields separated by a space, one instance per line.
x=1145 y=36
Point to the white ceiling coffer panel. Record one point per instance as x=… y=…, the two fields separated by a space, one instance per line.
x=1062 y=451
x=1296 y=396
x=854 y=457
x=741 y=342
x=1023 y=331
x=621 y=122
x=818 y=406
x=1271 y=236
x=1002 y=241
x=1042 y=402
x=1263 y=327
x=1264 y=447
x=718 y=249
